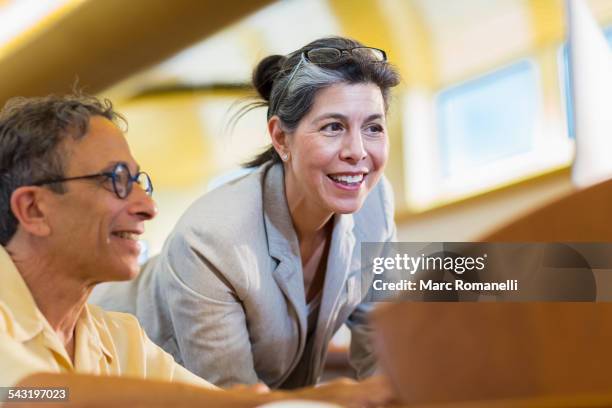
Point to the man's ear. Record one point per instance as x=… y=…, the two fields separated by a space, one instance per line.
x=30 y=208
x=279 y=137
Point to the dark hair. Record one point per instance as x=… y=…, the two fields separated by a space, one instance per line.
x=31 y=134
x=288 y=89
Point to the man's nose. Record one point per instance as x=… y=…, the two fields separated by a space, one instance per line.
x=142 y=203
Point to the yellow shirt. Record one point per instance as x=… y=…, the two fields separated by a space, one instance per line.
x=106 y=343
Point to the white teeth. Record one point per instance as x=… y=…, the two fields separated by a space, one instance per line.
x=348 y=179
x=127 y=235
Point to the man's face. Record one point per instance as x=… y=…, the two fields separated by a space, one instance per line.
x=93 y=230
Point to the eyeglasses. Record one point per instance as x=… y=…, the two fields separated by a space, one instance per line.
x=330 y=56
x=122 y=180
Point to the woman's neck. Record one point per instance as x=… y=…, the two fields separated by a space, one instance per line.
x=314 y=228
x=309 y=219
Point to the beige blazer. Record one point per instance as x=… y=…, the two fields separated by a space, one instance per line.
x=226 y=295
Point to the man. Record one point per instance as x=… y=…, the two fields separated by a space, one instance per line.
x=72 y=205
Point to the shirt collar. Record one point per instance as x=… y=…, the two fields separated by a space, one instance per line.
x=14 y=293
x=92 y=330
x=28 y=320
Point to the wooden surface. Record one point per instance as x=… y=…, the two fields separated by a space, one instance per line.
x=583 y=216
x=459 y=352
x=574 y=401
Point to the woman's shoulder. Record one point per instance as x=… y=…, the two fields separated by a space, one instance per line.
x=235 y=201
x=222 y=232
x=230 y=213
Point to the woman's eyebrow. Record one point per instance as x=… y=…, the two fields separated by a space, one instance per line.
x=374 y=117
x=331 y=115
x=340 y=116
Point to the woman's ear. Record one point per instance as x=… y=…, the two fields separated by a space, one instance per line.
x=29 y=206
x=279 y=138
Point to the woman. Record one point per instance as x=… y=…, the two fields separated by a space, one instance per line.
x=261 y=272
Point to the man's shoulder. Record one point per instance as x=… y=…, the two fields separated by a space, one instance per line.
x=4 y=318
x=115 y=323
x=8 y=322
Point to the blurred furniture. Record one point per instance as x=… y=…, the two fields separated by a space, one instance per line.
x=576 y=401
x=528 y=354
x=458 y=352
x=583 y=216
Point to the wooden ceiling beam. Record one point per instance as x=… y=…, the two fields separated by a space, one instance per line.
x=105 y=41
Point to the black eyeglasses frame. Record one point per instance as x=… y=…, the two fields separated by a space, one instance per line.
x=111 y=175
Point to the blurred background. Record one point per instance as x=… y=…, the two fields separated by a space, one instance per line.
x=481 y=127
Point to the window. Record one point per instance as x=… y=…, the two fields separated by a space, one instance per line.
x=566 y=84
x=475 y=136
x=487 y=119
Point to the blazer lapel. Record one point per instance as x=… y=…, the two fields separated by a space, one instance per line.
x=339 y=264
x=284 y=247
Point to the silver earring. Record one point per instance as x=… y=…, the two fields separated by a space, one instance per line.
x=285 y=156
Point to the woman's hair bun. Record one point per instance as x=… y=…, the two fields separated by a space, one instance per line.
x=265 y=73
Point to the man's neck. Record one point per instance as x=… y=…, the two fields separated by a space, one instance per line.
x=57 y=290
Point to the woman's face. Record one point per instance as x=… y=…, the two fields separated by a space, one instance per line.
x=339 y=149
